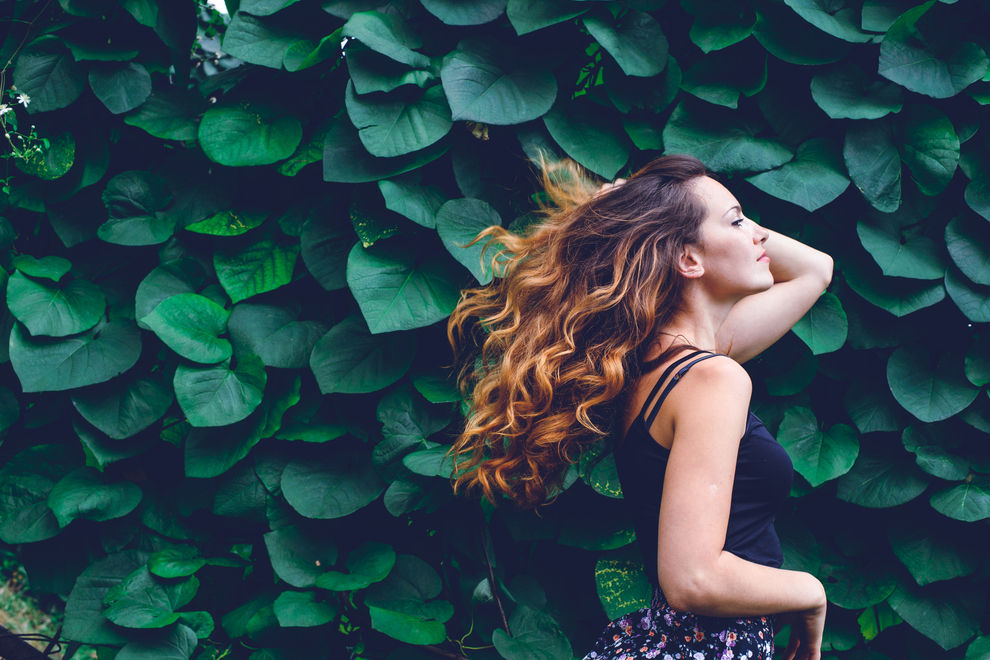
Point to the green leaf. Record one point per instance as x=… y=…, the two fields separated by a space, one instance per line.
x=847 y=92
x=264 y=7
x=332 y=486
x=870 y=408
x=248 y=134
x=841 y=22
x=174 y=643
x=400 y=289
x=853 y=586
x=931 y=557
x=25 y=482
x=791 y=39
x=407 y=422
x=930 y=147
x=458 y=222
x=927 y=58
x=374 y=72
x=84 y=620
x=930 y=387
x=720 y=140
x=413 y=200
x=718 y=25
x=949 y=617
x=258 y=41
x=968 y=502
x=48 y=74
x=465 y=12
x=973 y=300
x=937 y=462
x=219 y=395
x=120 y=87
x=345 y=160
x=53 y=161
x=259 y=267
x=191 y=325
x=45 y=365
x=722 y=77
x=535 y=634
x=407 y=628
x=813 y=179
x=55 y=310
x=878 y=482
x=436 y=387
x=299 y=609
x=400 y=123
x=123 y=408
x=170 y=114
x=527 y=16
x=977 y=365
x=367 y=564
x=874 y=164
x=48 y=268
x=622 y=584
x=591 y=136
x=228 y=223
x=306 y=53
x=636 y=41
x=85 y=494
x=968 y=243
x=142 y=601
x=896 y=295
x=177 y=562
x=825 y=326
x=482 y=88
x=900 y=252
x=300 y=553
x=433 y=462
x=324 y=245
x=133 y=200
x=273 y=334
x=387 y=34
x=818 y=455
x=348 y=359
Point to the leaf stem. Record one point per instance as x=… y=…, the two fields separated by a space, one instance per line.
x=491 y=581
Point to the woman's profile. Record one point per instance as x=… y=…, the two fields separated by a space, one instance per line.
x=627 y=312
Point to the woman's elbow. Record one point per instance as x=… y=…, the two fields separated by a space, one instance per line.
x=686 y=591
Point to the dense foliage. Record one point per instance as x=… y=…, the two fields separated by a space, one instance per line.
x=229 y=246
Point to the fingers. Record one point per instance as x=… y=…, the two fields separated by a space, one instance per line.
x=792 y=646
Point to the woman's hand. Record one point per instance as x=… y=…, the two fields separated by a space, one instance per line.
x=608 y=186
x=807 y=628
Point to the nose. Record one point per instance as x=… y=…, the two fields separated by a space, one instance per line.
x=761 y=234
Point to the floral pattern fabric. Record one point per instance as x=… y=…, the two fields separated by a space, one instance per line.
x=660 y=632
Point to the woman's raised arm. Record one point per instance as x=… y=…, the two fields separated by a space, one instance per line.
x=800 y=274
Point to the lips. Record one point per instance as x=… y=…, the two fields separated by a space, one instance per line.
x=763 y=257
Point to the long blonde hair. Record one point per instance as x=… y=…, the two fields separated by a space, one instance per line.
x=549 y=345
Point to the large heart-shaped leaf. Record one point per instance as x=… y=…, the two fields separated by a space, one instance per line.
x=350 y=359
x=929 y=147
x=635 y=40
x=300 y=553
x=928 y=59
x=399 y=123
x=220 y=395
x=813 y=179
x=255 y=268
x=591 y=136
x=874 y=164
x=930 y=387
x=825 y=326
x=947 y=616
x=273 y=334
x=901 y=252
x=248 y=134
x=400 y=289
x=54 y=310
x=45 y=365
x=48 y=74
x=819 y=455
x=134 y=200
x=334 y=485
x=86 y=494
x=124 y=407
x=847 y=92
x=480 y=88
x=879 y=482
x=120 y=87
x=968 y=243
x=387 y=34
x=191 y=325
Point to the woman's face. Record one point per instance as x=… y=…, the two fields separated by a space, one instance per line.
x=731 y=248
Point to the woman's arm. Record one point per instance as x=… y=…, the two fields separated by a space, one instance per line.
x=800 y=273
x=710 y=408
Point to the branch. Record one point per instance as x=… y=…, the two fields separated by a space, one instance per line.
x=491 y=582
x=443 y=652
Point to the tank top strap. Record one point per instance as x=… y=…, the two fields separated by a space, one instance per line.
x=655 y=410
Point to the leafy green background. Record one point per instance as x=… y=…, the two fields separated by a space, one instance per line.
x=223 y=400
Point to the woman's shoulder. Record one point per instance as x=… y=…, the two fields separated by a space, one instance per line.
x=710 y=382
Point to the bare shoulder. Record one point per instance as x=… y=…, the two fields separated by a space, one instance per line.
x=718 y=388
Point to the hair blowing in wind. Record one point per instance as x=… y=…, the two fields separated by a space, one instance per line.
x=548 y=348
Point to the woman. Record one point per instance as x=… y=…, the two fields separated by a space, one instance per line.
x=650 y=291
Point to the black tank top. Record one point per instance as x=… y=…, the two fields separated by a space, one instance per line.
x=762 y=481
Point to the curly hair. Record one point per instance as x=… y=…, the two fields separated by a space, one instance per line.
x=547 y=349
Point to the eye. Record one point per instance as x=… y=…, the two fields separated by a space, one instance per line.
x=736 y=223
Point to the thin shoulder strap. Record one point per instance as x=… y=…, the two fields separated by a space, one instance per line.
x=663 y=378
x=648 y=421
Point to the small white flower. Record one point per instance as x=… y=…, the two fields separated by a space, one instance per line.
x=23 y=99
x=4 y=109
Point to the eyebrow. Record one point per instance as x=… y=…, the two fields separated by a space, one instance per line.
x=736 y=207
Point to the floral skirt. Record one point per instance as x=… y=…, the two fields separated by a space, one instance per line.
x=660 y=631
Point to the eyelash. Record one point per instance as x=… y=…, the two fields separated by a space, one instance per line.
x=736 y=223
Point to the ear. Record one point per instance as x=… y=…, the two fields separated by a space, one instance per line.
x=689 y=263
